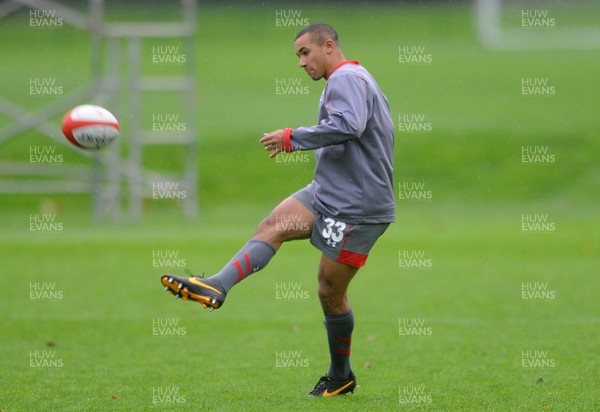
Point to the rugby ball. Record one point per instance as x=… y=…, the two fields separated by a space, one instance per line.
x=90 y=127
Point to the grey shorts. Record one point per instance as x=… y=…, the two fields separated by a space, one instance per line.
x=345 y=243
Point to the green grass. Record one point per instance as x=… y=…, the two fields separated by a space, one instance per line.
x=101 y=328
x=470 y=297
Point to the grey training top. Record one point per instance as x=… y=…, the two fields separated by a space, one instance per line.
x=354 y=144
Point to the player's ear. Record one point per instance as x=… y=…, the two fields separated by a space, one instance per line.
x=329 y=45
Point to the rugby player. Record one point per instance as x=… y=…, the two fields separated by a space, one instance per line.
x=344 y=210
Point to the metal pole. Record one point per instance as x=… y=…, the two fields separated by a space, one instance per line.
x=113 y=154
x=135 y=152
x=95 y=27
x=191 y=166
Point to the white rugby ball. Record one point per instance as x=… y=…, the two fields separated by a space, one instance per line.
x=90 y=127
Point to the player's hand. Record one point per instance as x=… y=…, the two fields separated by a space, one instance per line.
x=273 y=142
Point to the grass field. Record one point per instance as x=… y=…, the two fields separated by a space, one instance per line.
x=506 y=319
x=103 y=324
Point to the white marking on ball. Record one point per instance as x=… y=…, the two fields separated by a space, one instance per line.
x=95 y=136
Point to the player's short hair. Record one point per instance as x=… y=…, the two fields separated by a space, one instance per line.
x=319 y=33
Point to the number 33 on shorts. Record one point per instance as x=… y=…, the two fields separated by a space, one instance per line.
x=347 y=243
x=333 y=233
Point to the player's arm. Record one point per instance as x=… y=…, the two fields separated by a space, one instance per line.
x=346 y=104
x=347 y=107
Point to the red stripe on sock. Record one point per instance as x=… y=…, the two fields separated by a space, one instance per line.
x=240 y=271
x=341 y=351
x=249 y=265
x=344 y=340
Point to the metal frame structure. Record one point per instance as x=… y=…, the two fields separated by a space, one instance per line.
x=488 y=14
x=109 y=170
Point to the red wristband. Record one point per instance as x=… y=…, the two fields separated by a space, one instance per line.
x=287 y=140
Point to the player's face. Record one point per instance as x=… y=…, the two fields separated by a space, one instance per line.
x=313 y=57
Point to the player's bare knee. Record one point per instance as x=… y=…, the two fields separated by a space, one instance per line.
x=267 y=230
x=264 y=225
x=326 y=300
x=326 y=290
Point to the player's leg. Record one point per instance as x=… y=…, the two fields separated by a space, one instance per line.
x=291 y=219
x=334 y=278
x=345 y=249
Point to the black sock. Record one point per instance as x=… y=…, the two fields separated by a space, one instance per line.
x=339 y=333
